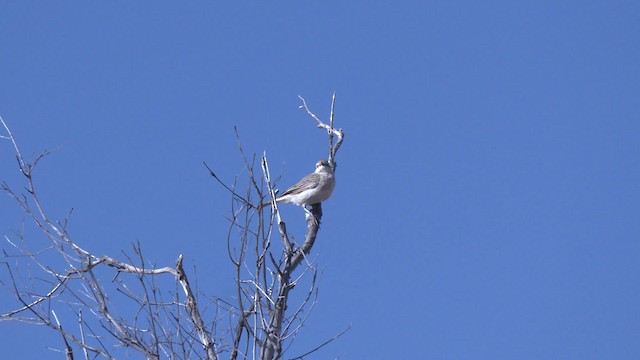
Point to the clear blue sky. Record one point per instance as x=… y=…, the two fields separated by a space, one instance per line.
x=488 y=187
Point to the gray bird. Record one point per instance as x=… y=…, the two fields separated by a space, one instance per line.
x=312 y=189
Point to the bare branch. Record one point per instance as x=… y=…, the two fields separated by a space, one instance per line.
x=192 y=309
x=82 y=336
x=68 y=350
x=331 y=131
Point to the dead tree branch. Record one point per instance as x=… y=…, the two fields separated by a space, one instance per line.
x=331 y=131
x=77 y=288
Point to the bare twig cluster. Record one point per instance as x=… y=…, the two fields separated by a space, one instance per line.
x=265 y=274
x=331 y=131
x=65 y=278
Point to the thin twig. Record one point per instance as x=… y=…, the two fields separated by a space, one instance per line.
x=322 y=345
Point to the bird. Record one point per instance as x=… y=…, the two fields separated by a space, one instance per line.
x=312 y=189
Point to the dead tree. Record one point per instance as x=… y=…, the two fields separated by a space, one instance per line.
x=161 y=315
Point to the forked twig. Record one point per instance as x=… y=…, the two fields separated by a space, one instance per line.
x=331 y=131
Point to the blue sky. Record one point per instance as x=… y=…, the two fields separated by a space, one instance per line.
x=487 y=200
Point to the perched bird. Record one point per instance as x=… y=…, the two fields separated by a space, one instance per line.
x=312 y=189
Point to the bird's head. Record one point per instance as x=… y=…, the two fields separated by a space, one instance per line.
x=323 y=166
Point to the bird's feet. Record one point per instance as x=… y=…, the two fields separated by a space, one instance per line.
x=310 y=216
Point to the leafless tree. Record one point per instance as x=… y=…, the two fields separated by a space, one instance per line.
x=154 y=311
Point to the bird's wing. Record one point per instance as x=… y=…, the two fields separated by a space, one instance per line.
x=308 y=182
